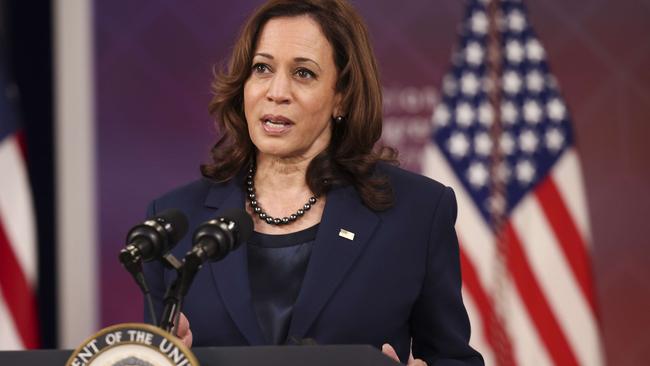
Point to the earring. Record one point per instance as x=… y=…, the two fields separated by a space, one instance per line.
x=339 y=119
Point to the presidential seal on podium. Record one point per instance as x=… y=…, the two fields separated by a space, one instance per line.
x=132 y=344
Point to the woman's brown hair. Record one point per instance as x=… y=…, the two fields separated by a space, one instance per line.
x=351 y=156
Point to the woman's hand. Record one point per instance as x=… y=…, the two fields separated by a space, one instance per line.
x=184 y=332
x=388 y=350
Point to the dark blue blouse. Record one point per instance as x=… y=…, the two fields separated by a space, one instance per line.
x=276 y=268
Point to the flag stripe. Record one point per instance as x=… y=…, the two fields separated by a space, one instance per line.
x=16 y=210
x=17 y=293
x=569 y=239
x=9 y=337
x=568 y=181
x=18 y=256
x=529 y=349
x=535 y=302
x=493 y=331
x=555 y=279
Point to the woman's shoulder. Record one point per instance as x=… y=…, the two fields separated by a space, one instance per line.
x=415 y=193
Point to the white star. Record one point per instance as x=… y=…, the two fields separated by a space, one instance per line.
x=525 y=171
x=516 y=21
x=507 y=143
x=477 y=174
x=528 y=141
x=554 y=139
x=485 y=115
x=535 y=81
x=479 y=22
x=469 y=84
x=464 y=114
x=441 y=116
x=509 y=113
x=511 y=82
x=532 y=112
x=474 y=53
x=556 y=110
x=483 y=144
x=514 y=51
x=534 y=50
x=449 y=85
x=458 y=145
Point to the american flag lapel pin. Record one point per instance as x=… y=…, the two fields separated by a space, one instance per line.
x=346 y=234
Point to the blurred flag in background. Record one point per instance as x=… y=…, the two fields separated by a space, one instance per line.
x=18 y=247
x=503 y=140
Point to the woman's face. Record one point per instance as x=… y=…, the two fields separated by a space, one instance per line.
x=289 y=98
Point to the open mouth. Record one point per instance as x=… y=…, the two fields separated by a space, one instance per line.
x=276 y=124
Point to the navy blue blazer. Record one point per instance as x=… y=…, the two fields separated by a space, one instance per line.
x=398 y=279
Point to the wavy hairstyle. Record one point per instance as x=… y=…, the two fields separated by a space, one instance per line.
x=351 y=156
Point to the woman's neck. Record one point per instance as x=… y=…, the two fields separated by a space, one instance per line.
x=280 y=175
x=281 y=189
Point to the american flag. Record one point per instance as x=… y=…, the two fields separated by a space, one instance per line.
x=18 y=250
x=503 y=140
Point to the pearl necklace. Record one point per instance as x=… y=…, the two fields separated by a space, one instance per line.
x=255 y=205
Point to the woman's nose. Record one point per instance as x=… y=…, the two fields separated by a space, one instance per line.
x=279 y=89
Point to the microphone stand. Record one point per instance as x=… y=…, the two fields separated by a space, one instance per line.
x=133 y=264
x=208 y=246
x=173 y=302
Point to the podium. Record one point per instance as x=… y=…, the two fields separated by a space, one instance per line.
x=360 y=355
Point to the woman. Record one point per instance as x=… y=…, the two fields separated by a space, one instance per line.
x=347 y=248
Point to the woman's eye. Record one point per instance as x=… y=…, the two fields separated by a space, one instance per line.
x=305 y=74
x=261 y=68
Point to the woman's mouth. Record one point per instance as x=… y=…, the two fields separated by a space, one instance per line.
x=276 y=125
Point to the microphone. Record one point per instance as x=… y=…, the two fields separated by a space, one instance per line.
x=154 y=237
x=215 y=238
x=151 y=240
x=212 y=240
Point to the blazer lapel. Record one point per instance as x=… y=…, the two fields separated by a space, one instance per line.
x=231 y=273
x=345 y=228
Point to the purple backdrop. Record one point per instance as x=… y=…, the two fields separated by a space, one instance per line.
x=154 y=68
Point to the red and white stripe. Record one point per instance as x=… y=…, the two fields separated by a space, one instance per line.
x=547 y=301
x=18 y=251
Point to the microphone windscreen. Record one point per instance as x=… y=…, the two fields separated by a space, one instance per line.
x=242 y=220
x=178 y=222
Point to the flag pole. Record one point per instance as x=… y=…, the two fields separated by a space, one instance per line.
x=498 y=194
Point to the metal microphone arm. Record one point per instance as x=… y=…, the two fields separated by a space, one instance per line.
x=173 y=302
